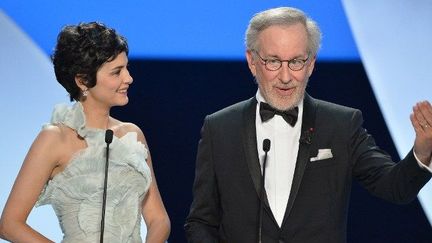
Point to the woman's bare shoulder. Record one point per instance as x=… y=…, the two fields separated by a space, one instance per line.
x=52 y=133
x=122 y=128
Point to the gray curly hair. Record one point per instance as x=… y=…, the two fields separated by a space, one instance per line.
x=282 y=16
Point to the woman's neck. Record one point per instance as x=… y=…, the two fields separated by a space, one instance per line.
x=97 y=116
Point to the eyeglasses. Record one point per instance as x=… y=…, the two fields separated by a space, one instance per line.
x=273 y=64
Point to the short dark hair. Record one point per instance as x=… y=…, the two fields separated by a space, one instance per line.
x=81 y=50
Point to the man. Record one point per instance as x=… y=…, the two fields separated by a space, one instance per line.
x=316 y=149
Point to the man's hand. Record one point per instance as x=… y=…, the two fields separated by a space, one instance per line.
x=421 y=119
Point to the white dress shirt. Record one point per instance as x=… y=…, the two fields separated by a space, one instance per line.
x=281 y=158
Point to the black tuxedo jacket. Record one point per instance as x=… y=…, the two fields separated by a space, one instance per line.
x=225 y=206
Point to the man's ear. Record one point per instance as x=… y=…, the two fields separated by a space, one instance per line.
x=311 y=66
x=251 y=62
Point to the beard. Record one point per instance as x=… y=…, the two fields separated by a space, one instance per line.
x=285 y=102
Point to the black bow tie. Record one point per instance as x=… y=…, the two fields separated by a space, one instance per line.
x=267 y=112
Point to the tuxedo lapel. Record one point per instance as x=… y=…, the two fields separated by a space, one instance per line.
x=250 y=148
x=306 y=139
x=250 y=144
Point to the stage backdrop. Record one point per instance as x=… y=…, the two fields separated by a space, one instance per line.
x=187 y=59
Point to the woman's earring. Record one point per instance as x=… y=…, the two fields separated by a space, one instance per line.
x=85 y=92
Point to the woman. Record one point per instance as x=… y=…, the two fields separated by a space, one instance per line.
x=65 y=166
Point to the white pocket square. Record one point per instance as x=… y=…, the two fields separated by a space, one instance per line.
x=322 y=154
